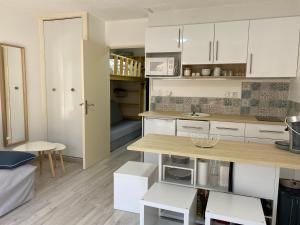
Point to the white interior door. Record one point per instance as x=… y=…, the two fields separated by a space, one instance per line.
x=64 y=83
x=97 y=103
x=198 y=44
x=231 y=42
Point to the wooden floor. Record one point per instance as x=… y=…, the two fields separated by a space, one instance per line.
x=78 y=197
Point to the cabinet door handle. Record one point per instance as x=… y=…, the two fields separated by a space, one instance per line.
x=192 y=127
x=227 y=128
x=251 y=62
x=16 y=88
x=179 y=37
x=209 y=56
x=217 y=50
x=271 y=131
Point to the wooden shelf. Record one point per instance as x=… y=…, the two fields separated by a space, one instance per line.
x=126 y=78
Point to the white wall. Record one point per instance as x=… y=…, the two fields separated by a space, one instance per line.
x=246 y=10
x=126 y=33
x=196 y=88
x=21 y=28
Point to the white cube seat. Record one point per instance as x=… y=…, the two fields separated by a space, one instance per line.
x=169 y=197
x=131 y=182
x=234 y=208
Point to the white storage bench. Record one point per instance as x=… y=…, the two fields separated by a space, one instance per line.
x=177 y=199
x=131 y=182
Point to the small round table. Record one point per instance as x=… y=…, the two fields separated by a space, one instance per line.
x=40 y=147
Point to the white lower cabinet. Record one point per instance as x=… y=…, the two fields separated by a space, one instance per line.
x=187 y=128
x=158 y=126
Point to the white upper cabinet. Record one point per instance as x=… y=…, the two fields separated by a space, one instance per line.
x=273 y=47
x=198 y=44
x=164 y=39
x=231 y=42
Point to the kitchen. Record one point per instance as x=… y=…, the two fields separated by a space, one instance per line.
x=230 y=81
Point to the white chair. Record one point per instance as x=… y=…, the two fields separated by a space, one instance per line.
x=234 y=209
x=131 y=182
x=59 y=148
x=174 y=199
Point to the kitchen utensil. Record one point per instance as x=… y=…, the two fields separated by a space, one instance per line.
x=293 y=124
x=283 y=145
x=187 y=72
x=205 y=72
x=202 y=172
x=224 y=73
x=214 y=172
x=197 y=74
x=293 y=184
x=224 y=175
x=178 y=174
x=205 y=141
x=217 y=71
x=180 y=159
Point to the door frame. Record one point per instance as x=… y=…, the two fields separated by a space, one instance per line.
x=41 y=20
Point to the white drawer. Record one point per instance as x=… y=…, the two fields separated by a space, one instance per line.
x=227 y=128
x=192 y=126
x=275 y=132
x=254 y=180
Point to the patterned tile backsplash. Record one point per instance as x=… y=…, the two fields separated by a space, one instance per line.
x=258 y=99
x=293 y=109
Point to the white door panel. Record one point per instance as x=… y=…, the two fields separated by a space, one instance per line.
x=273 y=47
x=63 y=72
x=231 y=42
x=96 y=93
x=163 y=39
x=53 y=45
x=198 y=44
x=253 y=180
x=157 y=126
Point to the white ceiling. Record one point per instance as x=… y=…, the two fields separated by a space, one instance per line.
x=117 y=9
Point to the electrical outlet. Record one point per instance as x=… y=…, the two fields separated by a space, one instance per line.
x=235 y=94
x=227 y=94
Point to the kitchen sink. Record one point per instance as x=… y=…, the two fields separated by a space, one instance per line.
x=196 y=114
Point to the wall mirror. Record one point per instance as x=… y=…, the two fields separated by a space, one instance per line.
x=14 y=127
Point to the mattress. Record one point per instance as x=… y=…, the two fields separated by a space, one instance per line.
x=16 y=187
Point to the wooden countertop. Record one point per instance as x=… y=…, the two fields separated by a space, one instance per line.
x=212 y=117
x=229 y=151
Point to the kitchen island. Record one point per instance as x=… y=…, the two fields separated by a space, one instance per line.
x=250 y=157
x=230 y=151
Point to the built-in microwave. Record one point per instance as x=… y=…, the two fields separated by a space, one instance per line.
x=162 y=67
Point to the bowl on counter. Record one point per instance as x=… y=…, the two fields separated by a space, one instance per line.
x=205 y=140
x=205 y=72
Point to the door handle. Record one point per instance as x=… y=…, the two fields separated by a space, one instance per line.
x=179 y=37
x=217 y=50
x=251 y=62
x=209 y=55
x=86 y=106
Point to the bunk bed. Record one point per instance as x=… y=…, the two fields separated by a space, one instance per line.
x=127 y=86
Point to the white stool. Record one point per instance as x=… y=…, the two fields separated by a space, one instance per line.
x=234 y=208
x=131 y=182
x=170 y=197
